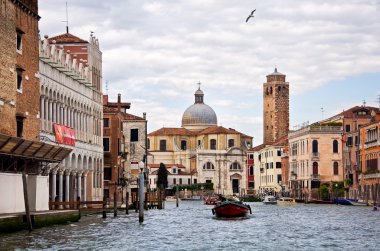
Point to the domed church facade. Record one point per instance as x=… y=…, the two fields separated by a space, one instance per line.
x=208 y=153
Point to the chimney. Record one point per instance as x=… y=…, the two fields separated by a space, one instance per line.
x=144 y=115
x=119 y=102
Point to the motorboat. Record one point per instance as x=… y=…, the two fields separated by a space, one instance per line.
x=211 y=200
x=286 y=201
x=171 y=199
x=270 y=200
x=231 y=209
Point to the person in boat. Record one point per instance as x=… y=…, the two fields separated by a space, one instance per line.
x=221 y=198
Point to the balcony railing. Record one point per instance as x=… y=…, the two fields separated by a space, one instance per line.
x=315 y=155
x=315 y=177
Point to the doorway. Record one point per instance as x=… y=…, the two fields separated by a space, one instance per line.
x=235 y=186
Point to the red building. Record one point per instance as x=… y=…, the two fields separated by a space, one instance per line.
x=250 y=172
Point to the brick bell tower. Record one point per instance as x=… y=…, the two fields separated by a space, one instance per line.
x=276 y=107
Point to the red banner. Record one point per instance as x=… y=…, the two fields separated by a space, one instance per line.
x=64 y=135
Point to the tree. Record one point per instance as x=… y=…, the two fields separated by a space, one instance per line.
x=162 y=176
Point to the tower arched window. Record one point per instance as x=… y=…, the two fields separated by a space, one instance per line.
x=235 y=166
x=213 y=144
x=208 y=166
x=336 y=168
x=270 y=90
x=335 y=146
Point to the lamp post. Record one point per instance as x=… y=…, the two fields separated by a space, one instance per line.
x=336 y=191
x=141 y=192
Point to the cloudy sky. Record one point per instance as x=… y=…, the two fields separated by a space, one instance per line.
x=154 y=53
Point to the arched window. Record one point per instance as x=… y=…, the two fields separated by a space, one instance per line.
x=231 y=143
x=336 y=168
x=208 y=166
x=279 y=88
x=235 y=166
x=213 y=144
x=335 y=146
x=315 y=167
x=315 y=146
x=183 y=144
x=162 y=145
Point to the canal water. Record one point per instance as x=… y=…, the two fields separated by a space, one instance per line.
x=192 y=226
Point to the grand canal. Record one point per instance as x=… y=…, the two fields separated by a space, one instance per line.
x=192 y=226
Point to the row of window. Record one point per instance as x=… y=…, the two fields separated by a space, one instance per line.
x=316 y=168
x=315 y=146
x=210 y=166
x=231 y=143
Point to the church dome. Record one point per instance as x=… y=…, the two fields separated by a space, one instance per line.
x=199 y=115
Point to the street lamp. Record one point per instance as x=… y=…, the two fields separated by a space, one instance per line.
x=336 y=190
x=141 y=192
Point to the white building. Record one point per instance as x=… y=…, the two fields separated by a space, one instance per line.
x=216 y=154
x=71 y=97
x=268 y=167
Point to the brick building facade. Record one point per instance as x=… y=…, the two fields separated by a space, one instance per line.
x=276 y=107
x=19 y=90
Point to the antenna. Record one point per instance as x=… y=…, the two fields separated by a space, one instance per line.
x=199 y=85
x=67 y=19
x=322 y=110
x=364 y=103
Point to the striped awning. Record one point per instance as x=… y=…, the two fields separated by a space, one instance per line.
x=28 y=149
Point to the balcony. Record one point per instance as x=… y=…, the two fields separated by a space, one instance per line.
x=315 y=156
x=315 y=177
x=261 y=170
x=293 y=175
x=372 y=143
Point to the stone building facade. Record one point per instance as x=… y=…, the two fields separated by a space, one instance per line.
x=135 y=136
x=315 y=158
x=276 y=107
x=70 y=99
x=215 y=154
x=268 y=167
x=369 y=168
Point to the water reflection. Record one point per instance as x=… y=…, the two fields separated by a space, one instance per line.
x=193 y=227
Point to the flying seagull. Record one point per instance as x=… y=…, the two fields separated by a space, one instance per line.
x=251 y=15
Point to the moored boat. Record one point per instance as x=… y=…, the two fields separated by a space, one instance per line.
x=286 y=201
x=270 y=200
x=171 y=199
x=230 y=209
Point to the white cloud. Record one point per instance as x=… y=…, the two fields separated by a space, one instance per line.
x=156 y=51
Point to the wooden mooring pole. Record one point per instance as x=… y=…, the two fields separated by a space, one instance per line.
x=115 y=204
x=176 y=194
x=104 y=208
x=26 y=201
x=127 y=203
